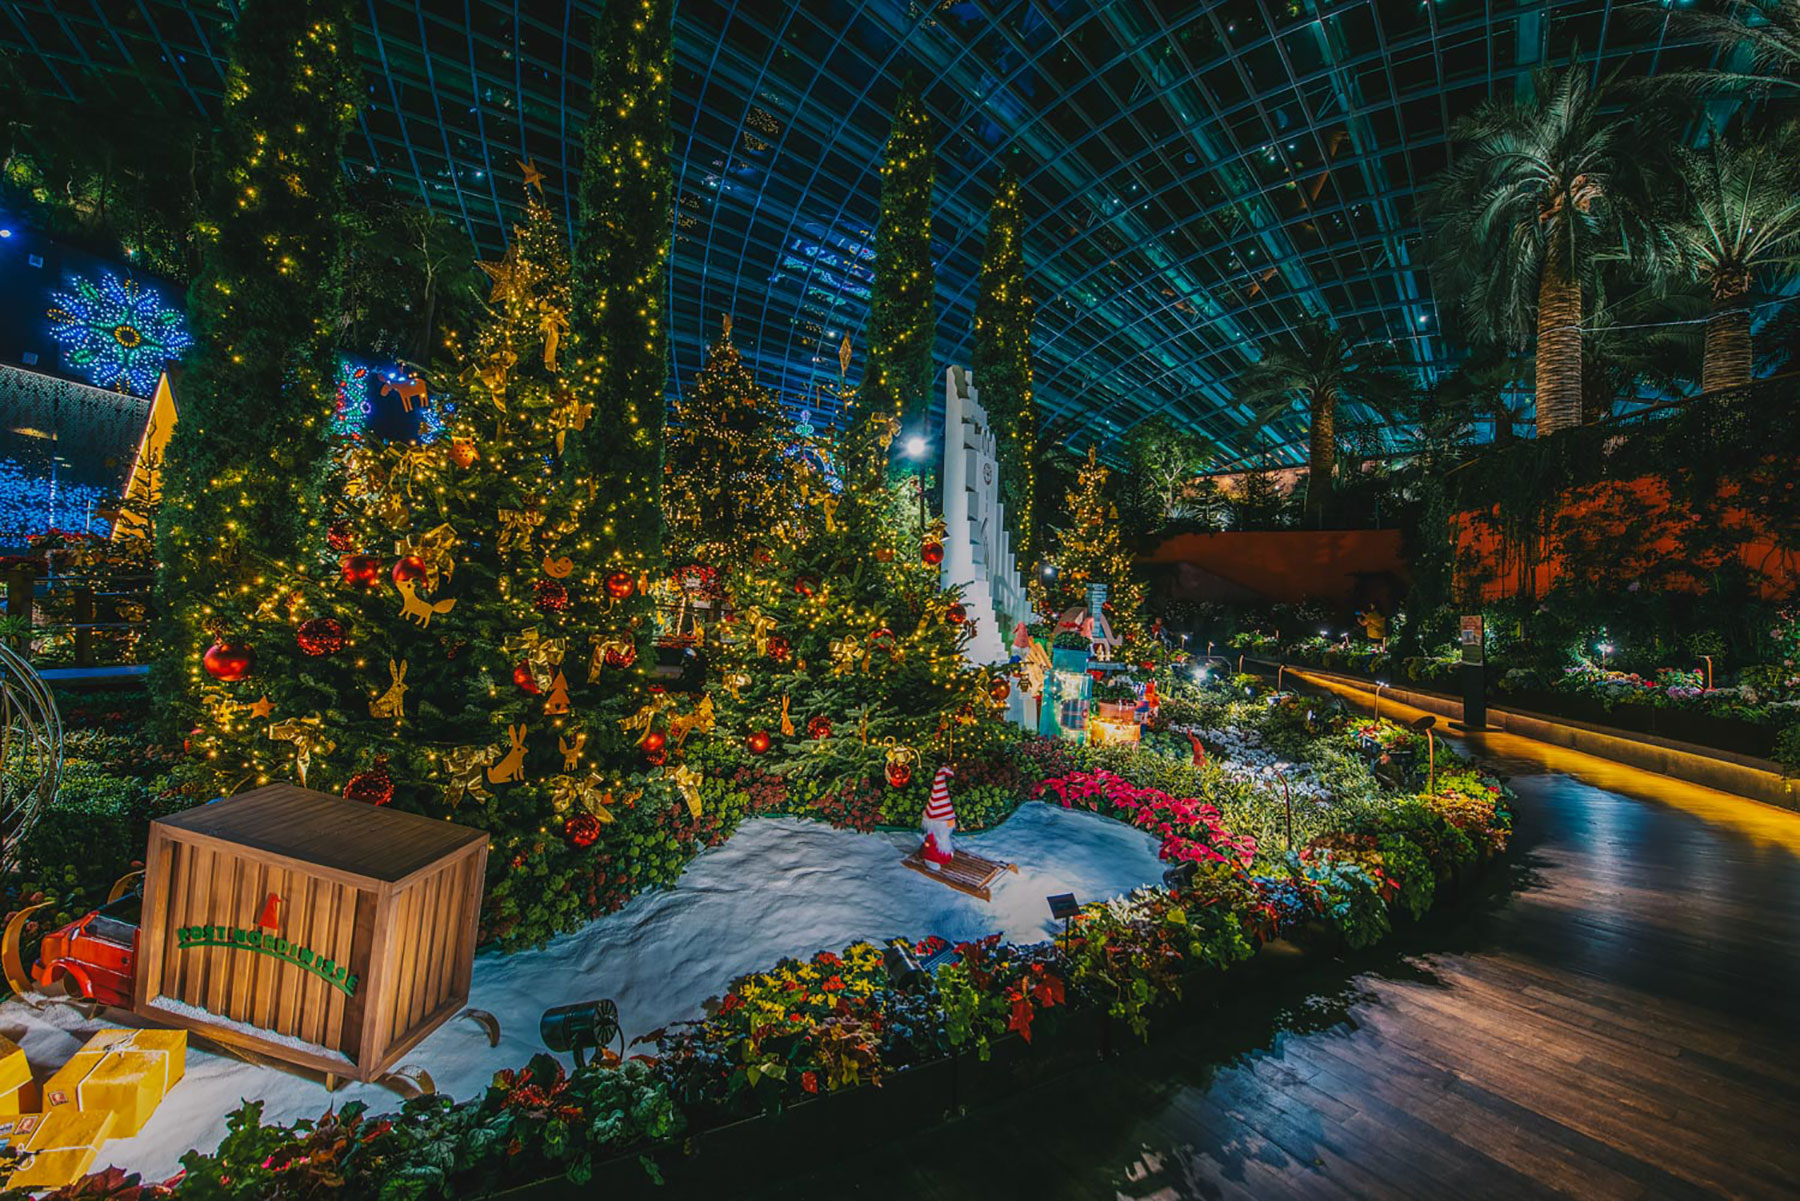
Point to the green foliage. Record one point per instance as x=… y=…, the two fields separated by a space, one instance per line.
x=621 y=337
x=899 y=381
x=242 y=474
x=1002 y=360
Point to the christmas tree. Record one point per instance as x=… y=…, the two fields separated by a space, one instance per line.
x=455 y=642
x=245 y=462
x=723 y=481
x=842 y=645
x=899 y=380
x=1090 y=551
x=1003 y=361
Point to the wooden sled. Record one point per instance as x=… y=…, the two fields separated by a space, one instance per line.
x=965 y=873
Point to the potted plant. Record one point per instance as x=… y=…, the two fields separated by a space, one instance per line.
x=1069 y=651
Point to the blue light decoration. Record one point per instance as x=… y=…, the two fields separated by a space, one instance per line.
x=117 y=332
x=354 y=404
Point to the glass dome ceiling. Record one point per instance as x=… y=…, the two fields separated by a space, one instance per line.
x=1196 y=176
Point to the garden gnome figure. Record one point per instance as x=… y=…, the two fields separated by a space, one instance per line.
x=939 y=820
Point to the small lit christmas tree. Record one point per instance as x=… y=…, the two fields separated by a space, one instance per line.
x=1090 y=551
x=723 y=480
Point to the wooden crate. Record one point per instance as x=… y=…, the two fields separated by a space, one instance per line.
x=324 y=932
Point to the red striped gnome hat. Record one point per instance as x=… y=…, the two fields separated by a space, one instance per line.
x=938 y=807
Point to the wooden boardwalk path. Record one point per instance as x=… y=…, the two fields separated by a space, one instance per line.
x=1622 y=1021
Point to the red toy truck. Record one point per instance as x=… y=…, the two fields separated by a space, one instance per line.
x=96 y=954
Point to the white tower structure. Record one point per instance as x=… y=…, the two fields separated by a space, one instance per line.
x=978 y=554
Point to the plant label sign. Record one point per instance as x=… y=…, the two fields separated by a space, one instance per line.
x=1471 y=638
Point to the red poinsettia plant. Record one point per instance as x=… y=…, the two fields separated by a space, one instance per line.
x=1191 y=830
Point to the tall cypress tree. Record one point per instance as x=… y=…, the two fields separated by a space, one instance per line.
x=902 y=325
x=242 y=476
x=621 y=273
x=1003 y=359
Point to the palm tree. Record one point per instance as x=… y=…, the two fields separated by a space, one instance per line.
x=1769 y=29
x=1741 y=226
x=1539 y=187
x=1322 y=370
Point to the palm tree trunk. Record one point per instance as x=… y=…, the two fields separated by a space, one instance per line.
x=1321 y=457
x=1728 y=347
x=1558 y=348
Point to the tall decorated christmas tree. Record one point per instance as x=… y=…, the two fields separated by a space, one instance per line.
x=1090 y=551
x=244 y=465
x=1003 y=360
x=902 y=326
x=724 y=475
x=621 y=276
x=454 y=642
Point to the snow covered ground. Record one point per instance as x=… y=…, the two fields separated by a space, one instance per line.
x=780 y=887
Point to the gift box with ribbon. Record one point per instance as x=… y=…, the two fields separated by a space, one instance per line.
x=126 y=1072
x=54 y=1148
x=15 y=1074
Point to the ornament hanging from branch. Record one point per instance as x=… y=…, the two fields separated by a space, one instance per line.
x=320 y=636
x=420 y=612
x=558 y=569
x=467 y=768
x=374 y=786
x=557 y=703
x=550 y=596
x=228 y=662
x=901 y=760
x=391 y=704
x=306 y=733
x=510 y=767
x=360 y=571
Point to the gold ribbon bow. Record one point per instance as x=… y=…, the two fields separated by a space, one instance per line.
x=569 y=414
x=307 y=735
x=516 y=526
x=847 y=655
x=687 y=782
x=433 y=548
x=542 y=655
x=465 y=765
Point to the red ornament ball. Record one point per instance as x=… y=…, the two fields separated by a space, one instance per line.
x=374 y=786
x=525 y=680
x=582 y=830
x=819 y=726
x=759 y=743
x=339 y=536
x=621 y=655
x=655 y=746
x=360 y=571
x=806 y=584
x=779 y=648
x=899 y=775
x=410 y=568
x=932 y=553
x=550 y=596
x=657 y=757
x=320 y=636
x=882 y=639
x=228 y=662
x=999 y=690
x=620 y=585
x=955 y=614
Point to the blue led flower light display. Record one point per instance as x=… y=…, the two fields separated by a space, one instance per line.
x=117 y=332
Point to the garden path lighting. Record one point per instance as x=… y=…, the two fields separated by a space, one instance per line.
x=1708 y=659
x=1379 y=685
x=1424 y=726
x=581 y=1027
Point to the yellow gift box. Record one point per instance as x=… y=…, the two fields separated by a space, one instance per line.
x=15 y=1074
x=54 y=1148
x=127 y=1072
